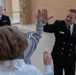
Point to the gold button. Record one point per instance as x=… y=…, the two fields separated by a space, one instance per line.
x=71 y=44
x=70 y=49
x=62 y=48
x=61 y=53
x=69 y=54
x=63 y=42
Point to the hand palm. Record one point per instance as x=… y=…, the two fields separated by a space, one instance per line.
x=38 y=16
x=45 y=17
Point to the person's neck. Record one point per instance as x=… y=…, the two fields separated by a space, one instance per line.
x=69 y=24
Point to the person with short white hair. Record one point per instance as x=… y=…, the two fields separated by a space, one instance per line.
x=4 y=19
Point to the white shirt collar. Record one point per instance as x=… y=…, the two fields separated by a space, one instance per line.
x=71 y=28
x=9 y=65
x=0 y=16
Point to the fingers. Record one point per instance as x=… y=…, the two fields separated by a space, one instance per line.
x=50 y=17
x=39 y=15
x=39 y=12
x=44 y=12
x=43 y=15
x=47 y=58
x=45 y=54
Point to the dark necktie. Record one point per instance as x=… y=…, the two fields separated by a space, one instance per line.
x=69 y=33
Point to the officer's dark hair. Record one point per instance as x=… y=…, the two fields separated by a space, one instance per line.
x=72 y=11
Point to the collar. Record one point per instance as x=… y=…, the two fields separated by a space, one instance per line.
x=71 y=26
x=1 y=15
x=10 y=65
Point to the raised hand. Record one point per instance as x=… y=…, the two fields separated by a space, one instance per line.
x=39 y=15
x=45 y=17
x=47 y=58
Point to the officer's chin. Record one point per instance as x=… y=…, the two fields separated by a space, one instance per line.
x=68 y=23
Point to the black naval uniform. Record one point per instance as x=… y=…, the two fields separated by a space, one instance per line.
x=63 y=52
x=4 y=21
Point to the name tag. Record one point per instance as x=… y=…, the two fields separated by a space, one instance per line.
x=61 y=32
x=4 y=20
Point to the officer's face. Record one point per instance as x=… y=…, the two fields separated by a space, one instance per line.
x=70 y=18
x=0 y=10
